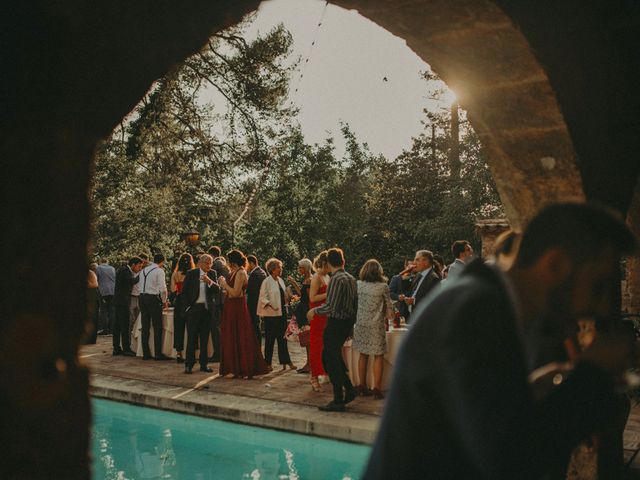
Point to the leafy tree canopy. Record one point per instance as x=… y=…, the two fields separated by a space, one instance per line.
x=243 y=175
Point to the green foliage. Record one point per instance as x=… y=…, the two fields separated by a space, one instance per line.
x=181 y=162
x=418 y=202
x=369 y=206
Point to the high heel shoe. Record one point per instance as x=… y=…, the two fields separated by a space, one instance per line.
x=363 y=391
x=315 y=385
x=377 y=394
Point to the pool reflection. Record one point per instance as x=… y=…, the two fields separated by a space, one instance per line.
x=131 y=442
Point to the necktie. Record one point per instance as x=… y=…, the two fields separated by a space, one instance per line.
x=416 y=282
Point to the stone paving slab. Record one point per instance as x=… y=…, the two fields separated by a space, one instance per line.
x=631 y=439
x=282 y=399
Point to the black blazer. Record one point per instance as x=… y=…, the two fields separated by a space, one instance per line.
x=125 y=280
x=191 y=288
x=460 y=405
x=429 y=283
x=256 y=277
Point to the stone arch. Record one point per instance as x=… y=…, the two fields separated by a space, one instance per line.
x=79 y=67
x=478 y=51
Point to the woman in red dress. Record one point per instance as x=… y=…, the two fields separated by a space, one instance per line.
x=240 y=353
x=317 y=296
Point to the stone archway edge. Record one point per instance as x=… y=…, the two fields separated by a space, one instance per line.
x=76 y=68
x=478 y=51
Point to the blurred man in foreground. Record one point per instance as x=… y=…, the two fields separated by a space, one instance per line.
x=460 y=405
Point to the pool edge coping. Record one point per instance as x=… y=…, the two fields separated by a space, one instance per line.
x=303 y=419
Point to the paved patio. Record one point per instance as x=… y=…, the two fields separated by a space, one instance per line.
x=281 y=399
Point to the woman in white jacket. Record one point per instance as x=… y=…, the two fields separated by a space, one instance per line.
x=271 y=307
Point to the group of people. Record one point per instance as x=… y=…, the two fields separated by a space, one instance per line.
x=492 y=380
x=231 y=301
x=112 y=301
x=487 y=384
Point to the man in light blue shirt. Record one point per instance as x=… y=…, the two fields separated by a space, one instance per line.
x=106 y=286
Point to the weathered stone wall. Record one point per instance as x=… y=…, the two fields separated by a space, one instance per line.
x=489 y=230
x=486 y=60
x=73 y=69
x=631 y=285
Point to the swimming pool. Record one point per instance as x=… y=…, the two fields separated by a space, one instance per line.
x=131 y=442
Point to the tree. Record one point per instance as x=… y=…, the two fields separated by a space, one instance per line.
x=419 y=202
x=182 y=160
x=246 y=177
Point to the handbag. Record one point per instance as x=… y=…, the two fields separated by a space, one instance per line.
x=292 y=330
x=304 y=337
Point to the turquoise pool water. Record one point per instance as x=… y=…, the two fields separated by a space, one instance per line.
x=130 y=442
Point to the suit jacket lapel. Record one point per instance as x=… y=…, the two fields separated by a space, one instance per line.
x=414 y=284
x=427 y=282
x=194 y=284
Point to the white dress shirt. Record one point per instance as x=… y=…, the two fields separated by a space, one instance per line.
x=423 y=274
x=152 y=281
x=202 y=296
x=135 y=290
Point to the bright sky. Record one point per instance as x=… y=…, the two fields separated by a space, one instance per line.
x=344 y=79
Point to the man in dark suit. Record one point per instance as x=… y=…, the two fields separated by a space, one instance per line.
x=201 y=292
x=256 y=277
x=126 y=278
x=400 y=284
x=424 y=282
x=461 y=405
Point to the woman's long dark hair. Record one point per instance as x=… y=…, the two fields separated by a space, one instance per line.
x=237 y=258
x=185 y=263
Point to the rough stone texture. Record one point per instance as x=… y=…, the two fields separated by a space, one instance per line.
x=487 y=61
x=631 y=288
x=539 y=79
x=588 y=51
x=287 y=387
x=72 y=70
x=489 y=230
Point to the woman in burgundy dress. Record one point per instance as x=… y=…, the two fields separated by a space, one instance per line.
x=317 y=296
x=240 y=353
